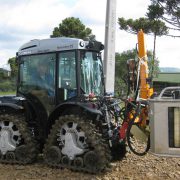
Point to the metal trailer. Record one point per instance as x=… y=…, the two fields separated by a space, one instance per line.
x=165 y=123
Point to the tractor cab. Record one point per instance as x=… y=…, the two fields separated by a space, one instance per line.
x=55 y=70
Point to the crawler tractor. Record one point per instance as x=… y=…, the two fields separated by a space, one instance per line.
x=60 y=109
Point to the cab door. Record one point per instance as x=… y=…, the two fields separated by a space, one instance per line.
x=37 y=80
x=67 y=84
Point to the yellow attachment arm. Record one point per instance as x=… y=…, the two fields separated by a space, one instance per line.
x=145 y=90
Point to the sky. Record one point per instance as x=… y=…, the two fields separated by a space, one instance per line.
x=23 y=20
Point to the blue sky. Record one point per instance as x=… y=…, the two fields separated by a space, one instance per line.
x=23 y=20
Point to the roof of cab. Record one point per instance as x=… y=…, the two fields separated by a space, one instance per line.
x=50 y=45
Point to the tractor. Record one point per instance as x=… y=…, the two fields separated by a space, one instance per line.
x=61 y=109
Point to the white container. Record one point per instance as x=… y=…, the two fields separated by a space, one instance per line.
x=164 y=116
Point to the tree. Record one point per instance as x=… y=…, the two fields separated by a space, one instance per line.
x=153 y=27
x=14 y=67
x=166 y=10
x=1 y=75
x=73 y=27
x=8 y=84
x=121 y=70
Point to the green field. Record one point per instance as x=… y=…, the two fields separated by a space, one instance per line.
x=7 y=93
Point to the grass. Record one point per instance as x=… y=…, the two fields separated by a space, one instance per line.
x=7 y=93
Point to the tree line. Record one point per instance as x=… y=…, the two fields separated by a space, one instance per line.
x=161 y=18
x=8 y=81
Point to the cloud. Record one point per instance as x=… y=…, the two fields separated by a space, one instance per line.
x=132 y=9
x=6 y=36
x=167 y=51
x=33 y=16
x=90 y=11
x=69 y=3
x=5 y=54
x=23 y=20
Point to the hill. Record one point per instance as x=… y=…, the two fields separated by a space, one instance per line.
x=169 y=69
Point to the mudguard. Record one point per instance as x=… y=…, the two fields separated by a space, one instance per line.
x=67 y=106
x=14 y=106
x=11 y=102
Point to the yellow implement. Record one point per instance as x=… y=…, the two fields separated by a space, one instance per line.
x=145 y=90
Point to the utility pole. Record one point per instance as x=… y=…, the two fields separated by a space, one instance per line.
x=109 y=50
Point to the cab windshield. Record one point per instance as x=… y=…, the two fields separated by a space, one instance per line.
x=91 y=73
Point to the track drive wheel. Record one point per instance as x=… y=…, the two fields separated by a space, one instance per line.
x=16 y=142
x=78 y=144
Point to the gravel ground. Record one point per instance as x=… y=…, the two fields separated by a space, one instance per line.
x=131 y=167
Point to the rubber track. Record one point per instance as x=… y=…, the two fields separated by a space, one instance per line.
x=19 y=121
x=94 y=140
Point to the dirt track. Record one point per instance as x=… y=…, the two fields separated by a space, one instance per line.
x=131 y=167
